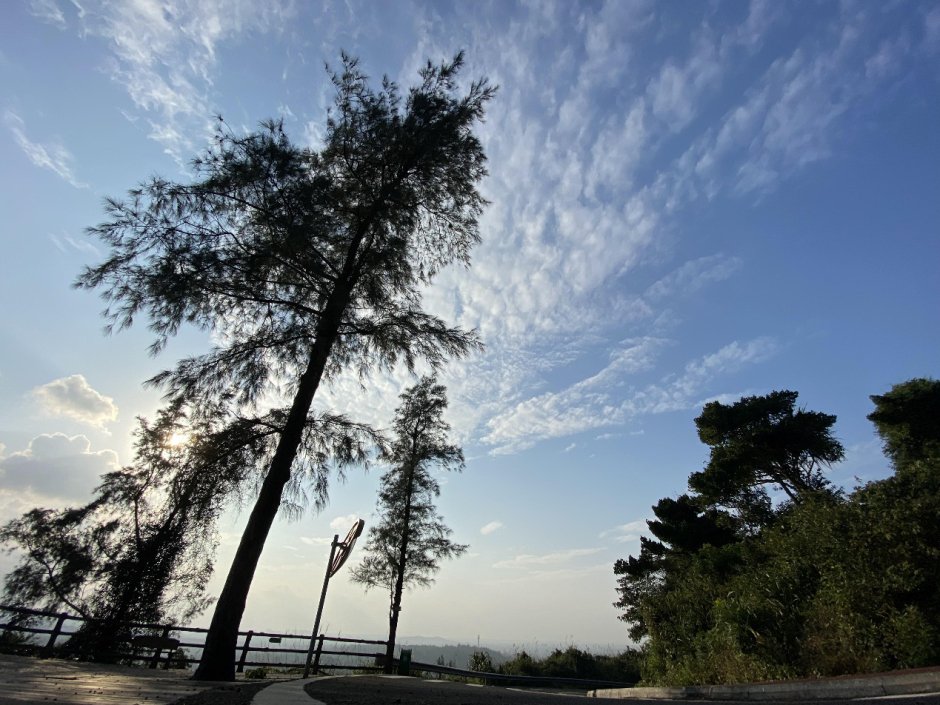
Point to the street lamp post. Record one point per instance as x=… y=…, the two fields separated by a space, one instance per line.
x=332 y=568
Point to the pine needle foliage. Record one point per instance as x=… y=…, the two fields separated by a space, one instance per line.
x=405 y=547
x=303 y=264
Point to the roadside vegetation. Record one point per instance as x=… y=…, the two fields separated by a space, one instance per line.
x=765 y=571
x=575 y=663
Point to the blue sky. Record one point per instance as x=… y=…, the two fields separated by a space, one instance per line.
x=689 y=201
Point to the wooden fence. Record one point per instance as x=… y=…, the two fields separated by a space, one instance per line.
x=250 y=643
x=273 y=645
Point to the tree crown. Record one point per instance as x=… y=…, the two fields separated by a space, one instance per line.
x=764 y=440
x=908 y=421
x=271 y=243
x=410 y=537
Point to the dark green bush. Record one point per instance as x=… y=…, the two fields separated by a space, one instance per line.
x=574 y=663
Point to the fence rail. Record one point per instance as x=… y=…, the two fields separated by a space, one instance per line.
x=530 y=681
x=245 y=648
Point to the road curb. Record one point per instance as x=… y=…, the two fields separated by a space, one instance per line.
x=920 y=682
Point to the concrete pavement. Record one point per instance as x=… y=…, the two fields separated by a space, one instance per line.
x=31 y=680
x=286 y=693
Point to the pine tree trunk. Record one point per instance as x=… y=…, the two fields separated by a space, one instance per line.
x=392 y=632
x=400 y=579
x=218 y=656
x=396 y=609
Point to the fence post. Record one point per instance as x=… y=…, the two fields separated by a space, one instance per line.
x=155 y=660
x=316 y=658
x=241 y=661
x=56 y=630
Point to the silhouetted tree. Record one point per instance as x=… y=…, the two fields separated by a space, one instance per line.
x=60 y=555
x=303 y=264
x=683 y=526
x=142 y=549
x=410 y=538
x=908 y=421
x=835 y=584
x=763 y=441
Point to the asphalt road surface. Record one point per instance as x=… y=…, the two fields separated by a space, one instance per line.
x=369 y=690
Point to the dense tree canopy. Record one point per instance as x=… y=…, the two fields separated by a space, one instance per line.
x=908 y=421
x=764 y=441
x=142 y=549
x=828 y=584
x=303 y=263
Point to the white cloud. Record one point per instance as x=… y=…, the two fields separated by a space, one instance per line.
x=626 y=532
x=677 y=92
x=526 y=560
x=790 y=117
x=78 y=245
x=750 y=34
x=693 y=275
x=491 y=527
x=47 y=11
x=580 y=198
x=15 y=503
x=931 y=42
x=165 y=55
x=570 y=448
x=887 y=60
x=52 y=155
x=74 y=398
x=603 y=400
x=608 y=436
x=578 y=203
x=555 y=577
x=56 y=466
x=343 y=524
x=316 y=541
x=864 y=461
x=617 y=150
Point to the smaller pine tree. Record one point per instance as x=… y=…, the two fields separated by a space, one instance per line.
x=408 y=541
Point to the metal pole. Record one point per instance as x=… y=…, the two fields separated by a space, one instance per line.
x=316 y=622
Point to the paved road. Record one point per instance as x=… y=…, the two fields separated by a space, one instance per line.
x=387 y=690
x=392 y=690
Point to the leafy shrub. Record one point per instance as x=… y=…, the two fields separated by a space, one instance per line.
x=574 y=663
x=479 y=661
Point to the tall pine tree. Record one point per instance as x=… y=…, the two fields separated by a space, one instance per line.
x=303 y=263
